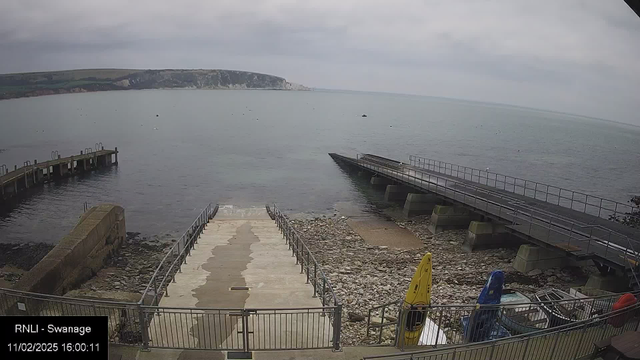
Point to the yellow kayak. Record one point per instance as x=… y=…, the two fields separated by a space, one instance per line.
x=417 y=299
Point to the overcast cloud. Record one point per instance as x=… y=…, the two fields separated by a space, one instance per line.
x=576 y=56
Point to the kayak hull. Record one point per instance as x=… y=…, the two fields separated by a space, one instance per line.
x=416 y=301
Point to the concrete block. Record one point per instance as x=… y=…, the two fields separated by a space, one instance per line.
x=450 y=217
x=79 y=254
x=379 y=180
x=611 y=283
x=485 y=235
x=418 y=204
x=396 y=192
x=532 y=257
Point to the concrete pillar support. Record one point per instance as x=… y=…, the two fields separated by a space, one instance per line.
x=419 y=204
x=533 y=257
x=483 y=235
x=613 y=283
x=379 y=180
x=450 y=217
x=396 y=192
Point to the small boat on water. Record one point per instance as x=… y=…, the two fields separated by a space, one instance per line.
x=561 y=307
x=520 y=316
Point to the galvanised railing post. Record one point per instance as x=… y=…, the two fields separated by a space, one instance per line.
x=324 y=288
x=600 y=207
x=315 y=278
x=570 y=236
x=144 y=329
x=526 y=347
x=179 y=266
x=295 y=251
x=402 y=322
x=555 y=344
x=439 y=327
x=337 y=325
x=301 y=256
x=384 y=308
x=493 y=348
x=155 y=289
x=308 y=259
x=584 y=329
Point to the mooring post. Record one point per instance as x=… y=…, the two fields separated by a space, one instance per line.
x=116 y=156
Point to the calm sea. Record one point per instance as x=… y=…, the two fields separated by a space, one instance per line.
x=254 y=147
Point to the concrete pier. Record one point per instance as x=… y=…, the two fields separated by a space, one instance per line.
x=450 y=217
x=240 y=261
x=419 y=204
x=14 y=182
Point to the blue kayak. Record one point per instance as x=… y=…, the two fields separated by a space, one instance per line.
x=483 y=324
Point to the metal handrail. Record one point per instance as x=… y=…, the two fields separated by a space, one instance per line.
x=506 y=212
x=183 y=247
x=579 y=325
x=592 y=303
x=489 y=176
x=298 y=247
x=636 y=293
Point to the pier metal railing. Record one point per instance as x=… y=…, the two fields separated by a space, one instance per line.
x=175 y=257
x=575 y=200
x=566 y=342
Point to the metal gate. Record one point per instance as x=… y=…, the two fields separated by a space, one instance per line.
x=241 y=330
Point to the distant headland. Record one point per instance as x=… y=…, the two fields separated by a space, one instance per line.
x=19 y=85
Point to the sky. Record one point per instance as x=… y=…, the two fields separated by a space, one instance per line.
x=575 y=56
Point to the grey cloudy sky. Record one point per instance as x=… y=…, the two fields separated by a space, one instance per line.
x=576 y=56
